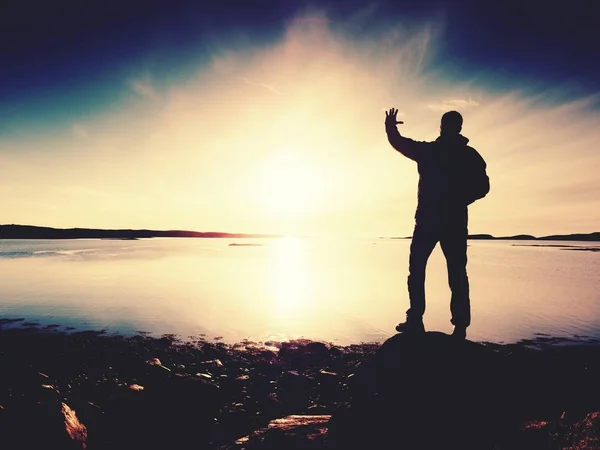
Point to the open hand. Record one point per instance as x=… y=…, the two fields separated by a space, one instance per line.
x=390 y=118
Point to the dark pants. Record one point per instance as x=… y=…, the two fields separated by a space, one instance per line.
x=452 y=236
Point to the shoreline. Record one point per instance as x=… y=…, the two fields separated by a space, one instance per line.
x=538 y=340
x=114 y=383
x=17 y=231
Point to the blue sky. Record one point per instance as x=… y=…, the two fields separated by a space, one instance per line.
x=90 y=87
x=64 y=59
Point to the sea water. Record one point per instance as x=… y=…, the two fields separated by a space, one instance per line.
x=336 y=290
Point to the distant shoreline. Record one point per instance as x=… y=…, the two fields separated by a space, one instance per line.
x=584 y=237
x=34 y=232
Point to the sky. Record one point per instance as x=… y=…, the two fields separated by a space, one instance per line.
x=267 y=116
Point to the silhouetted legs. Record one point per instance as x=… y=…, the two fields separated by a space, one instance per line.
x=452 y=236
x=423 y=242
x=454 y=246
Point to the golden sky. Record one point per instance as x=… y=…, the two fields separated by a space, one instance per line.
x=287 y=136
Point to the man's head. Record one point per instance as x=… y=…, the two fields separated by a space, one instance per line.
x=451 y=123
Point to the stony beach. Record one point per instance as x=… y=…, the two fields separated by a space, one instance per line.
x=98 y=390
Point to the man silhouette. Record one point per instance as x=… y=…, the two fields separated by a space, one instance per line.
x=451 y=176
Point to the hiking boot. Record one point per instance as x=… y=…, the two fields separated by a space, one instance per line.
x=412 y=326
x=459 y=332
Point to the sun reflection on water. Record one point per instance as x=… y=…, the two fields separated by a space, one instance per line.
x=292 y=280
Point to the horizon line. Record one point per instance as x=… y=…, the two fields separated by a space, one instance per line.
x=284 y=235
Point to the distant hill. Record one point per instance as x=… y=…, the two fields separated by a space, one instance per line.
x=517 y=237
x=573 y=237
x=33 y=232
x=587 y=237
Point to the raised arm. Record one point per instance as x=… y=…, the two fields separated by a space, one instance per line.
x=408 y=147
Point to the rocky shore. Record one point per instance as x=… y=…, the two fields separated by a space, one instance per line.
x=97 y=390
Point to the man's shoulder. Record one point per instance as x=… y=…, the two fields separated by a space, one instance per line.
x=471 y=150
x=474 y=154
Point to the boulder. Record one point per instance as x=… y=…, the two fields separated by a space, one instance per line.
x=291 y=432
x=586 y=434
x=41 y=420
x=425 y=392
x=169 y=412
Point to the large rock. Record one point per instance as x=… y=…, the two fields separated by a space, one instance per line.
x=38 y=418
x=426 y=392
x=167 y=413
x=291 y=432
x=586 y=434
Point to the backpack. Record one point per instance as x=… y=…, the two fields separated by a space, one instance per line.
x=477 y=180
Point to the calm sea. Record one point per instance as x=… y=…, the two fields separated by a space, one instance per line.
x=341 y=291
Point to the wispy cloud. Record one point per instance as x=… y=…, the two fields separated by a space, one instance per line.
x=143 y=87
x=268 y=87
x=452 y=104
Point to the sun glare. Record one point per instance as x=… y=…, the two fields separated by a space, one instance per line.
x=291 y=187
x=292 y=279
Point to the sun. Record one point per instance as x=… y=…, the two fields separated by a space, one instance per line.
x=291 y=187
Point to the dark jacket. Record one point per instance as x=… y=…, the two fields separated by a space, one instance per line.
x=452 y=175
